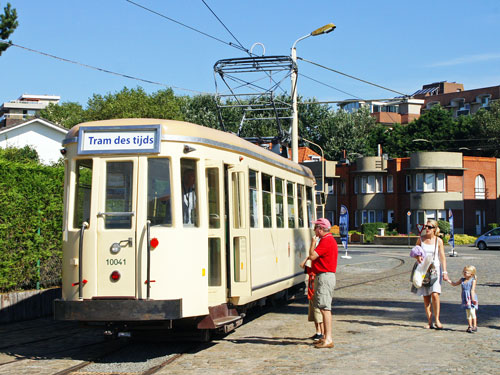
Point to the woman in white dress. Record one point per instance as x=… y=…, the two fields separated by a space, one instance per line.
x=433 y=246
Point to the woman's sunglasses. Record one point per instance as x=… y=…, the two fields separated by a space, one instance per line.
x=429 y=226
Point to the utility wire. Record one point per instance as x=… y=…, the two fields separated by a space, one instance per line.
x=327 y=85
x=222 y=23
x=103 y=70
x=186 y=26
x=347 y=75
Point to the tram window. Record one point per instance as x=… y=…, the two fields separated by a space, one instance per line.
x=280 y=216
x=189 y=193
x=237 y=182
x=212 y=178
x=300 y=196
x=310 y=206
x=266 y=199
x=214 y=262
x=119 y=194
x=254 y=212
x=159 y=192
x=83 y=189
x=291 y=207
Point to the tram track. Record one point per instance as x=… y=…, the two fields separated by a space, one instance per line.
x=114 y=362
x=352 y=282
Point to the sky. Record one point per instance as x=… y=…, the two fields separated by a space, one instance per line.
x=399 y=45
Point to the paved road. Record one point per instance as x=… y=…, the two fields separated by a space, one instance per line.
x=378 y=326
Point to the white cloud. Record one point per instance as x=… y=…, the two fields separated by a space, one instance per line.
x=467 y=60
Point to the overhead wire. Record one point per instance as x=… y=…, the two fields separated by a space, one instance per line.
x=103 y=70
x=350 y=76
x=186 y=26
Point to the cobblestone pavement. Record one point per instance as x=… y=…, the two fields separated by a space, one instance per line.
x=377 y=326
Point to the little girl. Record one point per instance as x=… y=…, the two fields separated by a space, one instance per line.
x=469 y=297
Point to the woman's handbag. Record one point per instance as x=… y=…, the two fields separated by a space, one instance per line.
x=430 y=276
x=425 y=274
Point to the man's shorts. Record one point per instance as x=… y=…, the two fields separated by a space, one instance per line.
x=314 y=314
x=324 y=285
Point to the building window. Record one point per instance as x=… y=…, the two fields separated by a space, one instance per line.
x=390 y=184
x=480 y=187
x=356 y=181
x=329 y=184
x=390 y=216
x=370 y=188
x=430 y=182
x=419 y=182
x=408 y=183
x=363 y=184
x=441 y=215
x=342 y=187
x=441 y=182
x=420 y=217
x=430 y=215
x=379 y=185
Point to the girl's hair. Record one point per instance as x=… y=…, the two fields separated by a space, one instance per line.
x=472 y=271
x=435 y=225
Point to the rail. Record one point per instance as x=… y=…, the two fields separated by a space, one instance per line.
x=148 y=281
x=85 y=225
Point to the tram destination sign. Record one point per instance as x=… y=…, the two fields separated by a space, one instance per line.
x=119 y=139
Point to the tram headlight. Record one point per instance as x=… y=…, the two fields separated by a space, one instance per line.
x=115 y=248
x=115 y=276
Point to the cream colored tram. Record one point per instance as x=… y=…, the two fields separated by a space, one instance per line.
x=167 y=222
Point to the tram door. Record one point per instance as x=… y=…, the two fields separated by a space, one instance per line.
x=239 y=233
x=214 y=176
x=116 y=227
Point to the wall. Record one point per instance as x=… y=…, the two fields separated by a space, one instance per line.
x=31 y=304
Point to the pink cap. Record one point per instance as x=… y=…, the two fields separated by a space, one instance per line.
x=324 y=223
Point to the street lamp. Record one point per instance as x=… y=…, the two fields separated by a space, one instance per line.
x=295 y=116
x=322 y=200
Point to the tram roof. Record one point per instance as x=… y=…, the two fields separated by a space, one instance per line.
x=181 y=131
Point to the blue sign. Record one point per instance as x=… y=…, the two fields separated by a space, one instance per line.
x=452 y=236
x=344 y=225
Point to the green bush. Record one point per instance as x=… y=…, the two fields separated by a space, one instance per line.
x=31 y=197
x=492 y=226
x=444 y=227
x=464 y=239
x=371 y=229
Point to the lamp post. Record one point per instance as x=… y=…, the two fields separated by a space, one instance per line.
x=295 y=116
x=323 y=201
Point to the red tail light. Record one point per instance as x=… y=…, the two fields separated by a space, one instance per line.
x=115 y=276
x=154 y=243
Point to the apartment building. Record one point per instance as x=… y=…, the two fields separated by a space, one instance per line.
x=23 y=108
x=390 y=111
x=403 y=110
x=460 y=102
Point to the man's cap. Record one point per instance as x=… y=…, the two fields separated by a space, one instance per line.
x=324 y=223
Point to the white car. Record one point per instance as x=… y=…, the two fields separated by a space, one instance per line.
x=489 y=239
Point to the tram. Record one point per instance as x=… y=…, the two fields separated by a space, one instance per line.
x=168 y=222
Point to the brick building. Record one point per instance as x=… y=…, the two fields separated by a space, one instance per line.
x=425 y=184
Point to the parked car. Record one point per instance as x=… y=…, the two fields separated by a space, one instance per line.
x=489 y=239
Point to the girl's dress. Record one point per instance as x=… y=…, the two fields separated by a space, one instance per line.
x=436 y=287
x=466 y=294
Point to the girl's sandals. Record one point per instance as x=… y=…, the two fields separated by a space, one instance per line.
x=469 y=330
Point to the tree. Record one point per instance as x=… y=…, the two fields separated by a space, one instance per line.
x=8 y=23
x=134 y=103
x=67 y=114
x=486 y=124
x=346 y=131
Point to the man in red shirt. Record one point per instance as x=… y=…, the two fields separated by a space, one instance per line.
x=324 y=266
